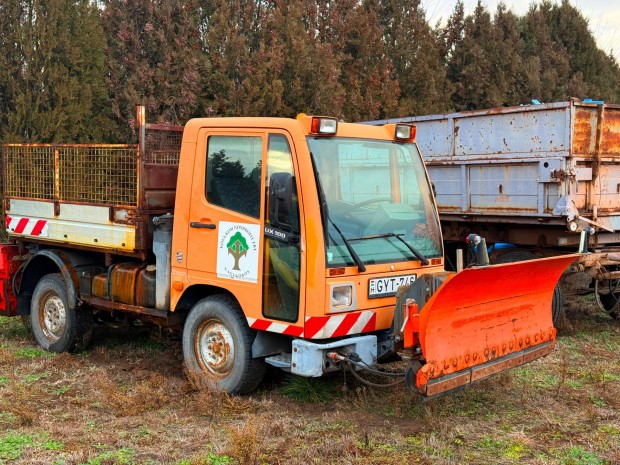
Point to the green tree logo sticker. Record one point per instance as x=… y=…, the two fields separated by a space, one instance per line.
x=237 y=247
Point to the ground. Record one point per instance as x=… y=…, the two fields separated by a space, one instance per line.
x=126 y=400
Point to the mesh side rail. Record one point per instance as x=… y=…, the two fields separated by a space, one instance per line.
x=103 y=174
x=163 y=144
x=28 y=171
x=97 y=174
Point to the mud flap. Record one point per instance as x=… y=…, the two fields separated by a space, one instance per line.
x=485 y=320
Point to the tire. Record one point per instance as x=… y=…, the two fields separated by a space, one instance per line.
x=607 y=296
x=557 y=304
x=56 y=326
x=217 y=346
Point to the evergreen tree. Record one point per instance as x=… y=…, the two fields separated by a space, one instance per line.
x=416 y=55
x=366 y=70
x=310 y=69
x=469 y=63
x=233 y=42
x=545 y=55
x=155 y=59
x=54 y=90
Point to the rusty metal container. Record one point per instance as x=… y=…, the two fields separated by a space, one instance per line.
x=85 y=279
x=145 y=287
x=123 y=280
x=100 y=286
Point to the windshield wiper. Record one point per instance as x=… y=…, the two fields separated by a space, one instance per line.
x=358 y=261
x=413 y=250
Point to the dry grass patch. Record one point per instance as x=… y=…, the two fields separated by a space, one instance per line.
x=126 y=401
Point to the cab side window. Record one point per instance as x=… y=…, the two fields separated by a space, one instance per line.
x=234 y=173
x=281 y=253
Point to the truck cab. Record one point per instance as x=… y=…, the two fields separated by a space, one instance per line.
x=311 y=224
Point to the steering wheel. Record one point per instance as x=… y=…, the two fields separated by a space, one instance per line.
x=364 y=203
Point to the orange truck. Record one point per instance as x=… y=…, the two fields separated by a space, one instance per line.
x=309 y=244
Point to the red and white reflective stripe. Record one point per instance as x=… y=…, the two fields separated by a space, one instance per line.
x=26 y=226
x=271 y=326
x=322 y=327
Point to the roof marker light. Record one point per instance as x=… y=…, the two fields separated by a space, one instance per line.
x=405 y=132
x=322 y=125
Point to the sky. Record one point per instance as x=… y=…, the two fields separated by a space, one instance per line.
x=603 y=16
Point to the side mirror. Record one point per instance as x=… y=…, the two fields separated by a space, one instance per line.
x=280 y=197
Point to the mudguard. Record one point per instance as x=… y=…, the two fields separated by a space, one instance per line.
x=484 y=320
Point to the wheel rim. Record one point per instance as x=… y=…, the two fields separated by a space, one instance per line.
x=214 y=348
x=53 y=317
x=607 y=295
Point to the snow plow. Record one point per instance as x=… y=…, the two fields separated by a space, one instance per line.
x=481 y=321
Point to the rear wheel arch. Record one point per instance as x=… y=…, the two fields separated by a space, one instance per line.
x=46 y=262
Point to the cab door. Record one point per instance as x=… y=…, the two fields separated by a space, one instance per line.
x=226 y=219
x=283 y=259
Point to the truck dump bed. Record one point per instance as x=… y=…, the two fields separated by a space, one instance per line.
x=551 y=165
x=91 y=196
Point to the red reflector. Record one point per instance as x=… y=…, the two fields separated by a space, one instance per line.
x=315 y=125
x=8 y=267
x=336 y=272
x=435 y=261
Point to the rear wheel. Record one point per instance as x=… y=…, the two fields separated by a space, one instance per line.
x=57 y=327
x=217 y=346
x=607 y=294
x=557 y=304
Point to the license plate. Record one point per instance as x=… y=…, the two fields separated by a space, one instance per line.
x=384 y=287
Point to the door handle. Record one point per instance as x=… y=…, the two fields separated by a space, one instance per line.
x=198 y=224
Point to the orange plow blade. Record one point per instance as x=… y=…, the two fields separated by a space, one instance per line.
x=485 y=320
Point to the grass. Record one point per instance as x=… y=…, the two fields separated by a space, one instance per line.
x=309 y=390
x=126 y=400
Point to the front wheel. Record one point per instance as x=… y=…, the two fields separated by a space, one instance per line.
x=57 y=327
x=217 y=345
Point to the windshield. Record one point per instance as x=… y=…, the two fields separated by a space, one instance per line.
x=376 y=198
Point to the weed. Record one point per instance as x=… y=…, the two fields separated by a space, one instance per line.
x=212 y=402
x=52 y=445
x=245 y=442
x=3 y=380
x=60 y=390
x=149 y=394
x=210 y=459
x=309 y=390
x=32 y=352
x=578 y=456
x=12 y=445
x=13 y=328
x=611 y=430
x=32 y=378
x=515 y=451
x=598 y=402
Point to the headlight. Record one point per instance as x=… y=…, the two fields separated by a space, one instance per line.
x=342 y=296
